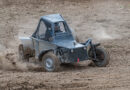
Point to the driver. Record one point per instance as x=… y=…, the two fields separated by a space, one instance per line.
x=57 y=28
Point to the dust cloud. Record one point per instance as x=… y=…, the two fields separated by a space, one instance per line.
x=102 y=34
x=2 y=48
x=9 y=61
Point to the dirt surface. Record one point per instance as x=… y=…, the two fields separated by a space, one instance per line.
x=105 y=21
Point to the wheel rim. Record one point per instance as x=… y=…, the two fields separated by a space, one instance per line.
x=49 y=64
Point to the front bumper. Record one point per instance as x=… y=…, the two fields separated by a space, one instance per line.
x=76 y=55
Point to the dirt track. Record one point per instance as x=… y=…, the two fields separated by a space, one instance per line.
x=106 y=21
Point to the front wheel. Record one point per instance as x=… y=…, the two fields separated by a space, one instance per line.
x=102 y=57
x=50 y=62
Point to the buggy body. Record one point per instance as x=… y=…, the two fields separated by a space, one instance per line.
x=54 y=35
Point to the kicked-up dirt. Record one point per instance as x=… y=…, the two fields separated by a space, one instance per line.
x=105 y=21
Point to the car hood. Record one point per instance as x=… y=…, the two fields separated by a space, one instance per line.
x=66 y=40
x=68 y=44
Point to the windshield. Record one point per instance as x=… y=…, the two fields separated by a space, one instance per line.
x=61 y=31
x=59 y=27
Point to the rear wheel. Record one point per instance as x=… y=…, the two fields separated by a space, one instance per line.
x=50 y=62
x=102 y=57
x=22 y=56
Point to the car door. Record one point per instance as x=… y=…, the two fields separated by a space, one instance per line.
x=46 y=43
x=38 y=36
x=41 y=39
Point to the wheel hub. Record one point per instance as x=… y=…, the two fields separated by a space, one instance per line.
x=49 y=63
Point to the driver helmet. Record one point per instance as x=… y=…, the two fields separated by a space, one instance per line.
x=57 y=27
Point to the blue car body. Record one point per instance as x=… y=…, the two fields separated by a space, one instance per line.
x=62 y=44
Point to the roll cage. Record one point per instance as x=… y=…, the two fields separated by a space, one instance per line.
x=50 y=25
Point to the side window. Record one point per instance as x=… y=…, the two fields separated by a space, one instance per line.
x=42 y=30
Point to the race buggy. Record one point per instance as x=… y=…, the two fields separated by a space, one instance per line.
x=54 y=43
